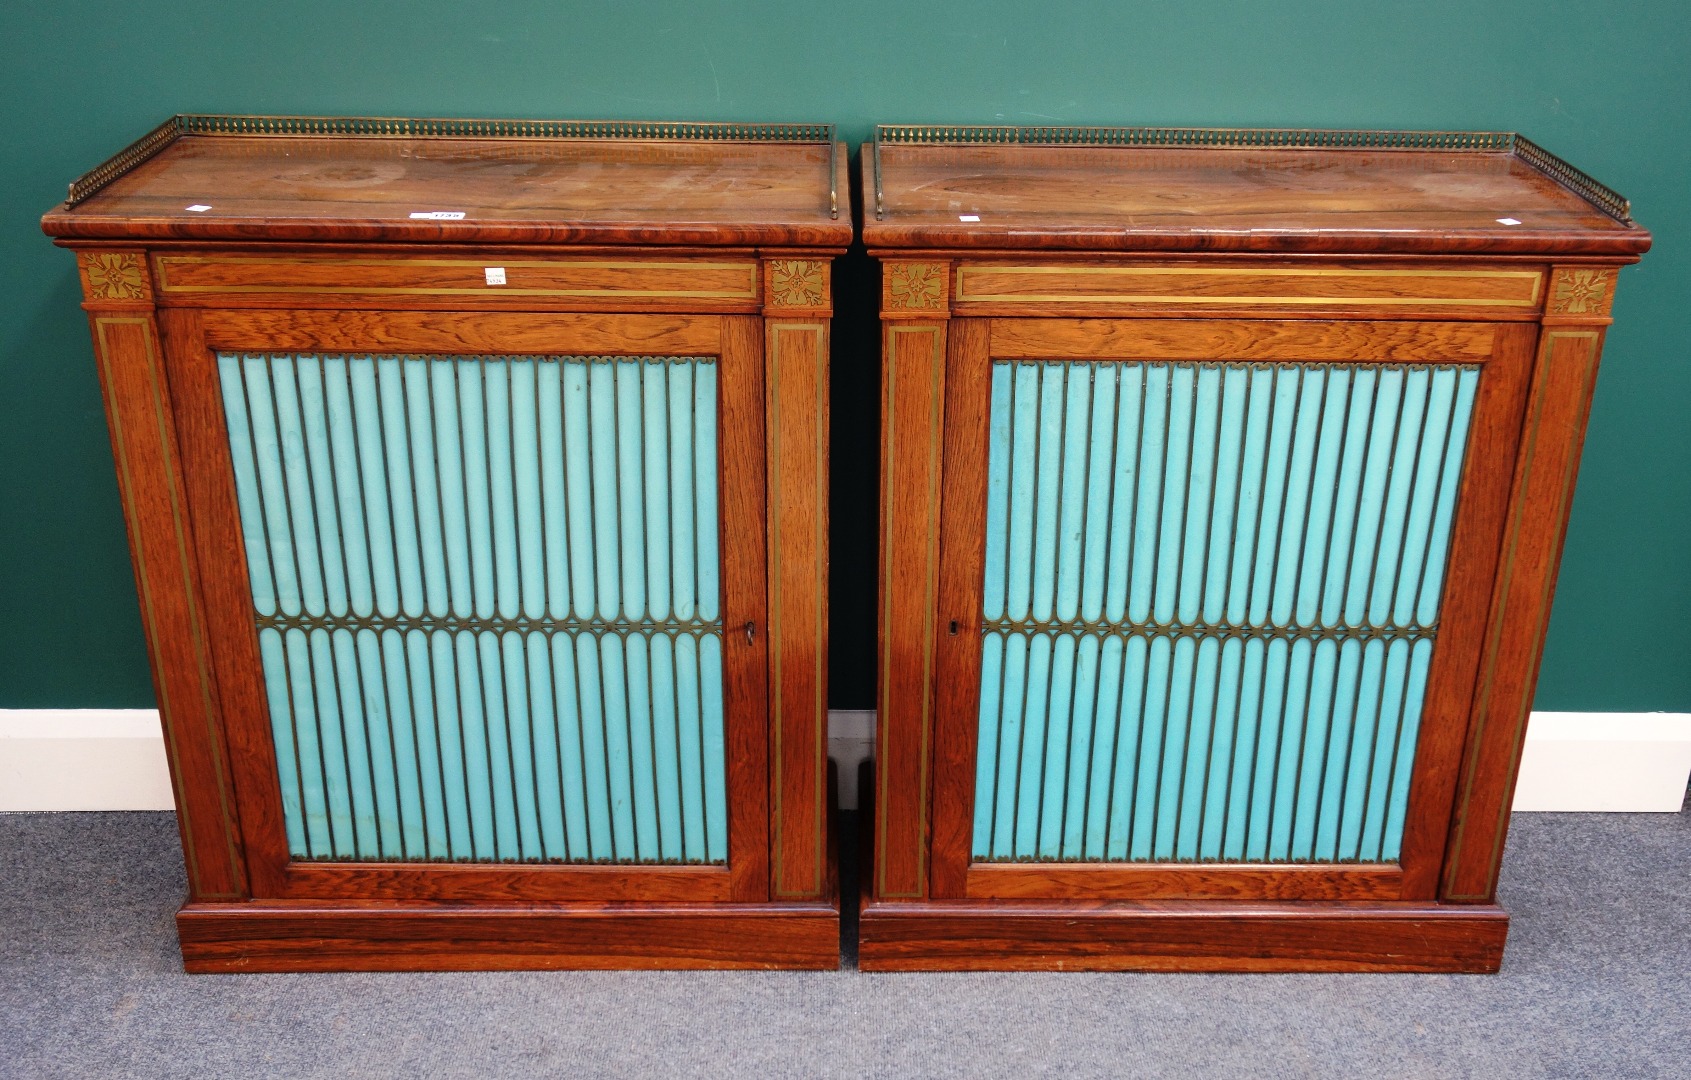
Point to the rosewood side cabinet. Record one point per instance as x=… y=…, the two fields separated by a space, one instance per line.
x=1224 y=482
x=475 y=478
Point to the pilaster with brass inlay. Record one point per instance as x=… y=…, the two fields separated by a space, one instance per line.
x=915 y=309
x=133 y=381
x=1547 y=464
x=797 y=305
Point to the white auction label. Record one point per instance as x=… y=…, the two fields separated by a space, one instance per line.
x=1508 y=221
x=197 y=208
x=437 y=215
x=968 y=217
x=495 y=274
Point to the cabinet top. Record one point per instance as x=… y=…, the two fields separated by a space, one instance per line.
x=483 y=181
x=1254 y=190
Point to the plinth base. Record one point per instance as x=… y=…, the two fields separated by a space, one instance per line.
x=315 y=936
x=998 y=935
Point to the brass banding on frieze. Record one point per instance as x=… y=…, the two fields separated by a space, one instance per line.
x=632 y=279
x=1247 y=286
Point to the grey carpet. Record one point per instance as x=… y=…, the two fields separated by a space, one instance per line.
x=1596 y=983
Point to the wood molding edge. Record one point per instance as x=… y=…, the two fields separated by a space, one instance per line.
x=336 y=936
x=1216 y=936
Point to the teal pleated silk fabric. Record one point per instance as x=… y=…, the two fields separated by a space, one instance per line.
x=487 y=598
x=1211 y=594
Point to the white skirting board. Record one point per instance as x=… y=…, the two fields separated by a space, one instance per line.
x=83 y=759
x=113 y=759
x=1627 y=762
x=851 y=742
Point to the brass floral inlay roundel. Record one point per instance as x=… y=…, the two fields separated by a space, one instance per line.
x=115 y=277
x=916 y=285
x=796 y=283
x=1581 y=291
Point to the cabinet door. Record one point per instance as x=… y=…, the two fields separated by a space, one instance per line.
x=486 y=598
x=1210 y=601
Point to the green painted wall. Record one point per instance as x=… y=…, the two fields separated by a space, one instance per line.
x=1605 y=85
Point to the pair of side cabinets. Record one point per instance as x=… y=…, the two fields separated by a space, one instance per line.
x=476 y=479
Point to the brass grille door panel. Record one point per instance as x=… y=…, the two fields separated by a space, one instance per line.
x=486 y=595
x=1210 y=597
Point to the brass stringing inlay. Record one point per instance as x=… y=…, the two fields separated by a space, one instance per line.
x=592 y=283
x=1525 y=298
x=1579 y=292
x=115 y=277
x=796 y=283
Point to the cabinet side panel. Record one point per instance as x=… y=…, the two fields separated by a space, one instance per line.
x=797 y=432
x=138 y=409
x=912 y=425
x=1547 y=464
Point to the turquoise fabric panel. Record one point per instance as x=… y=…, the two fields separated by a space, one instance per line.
x=1211 y=593
x=486 y=592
